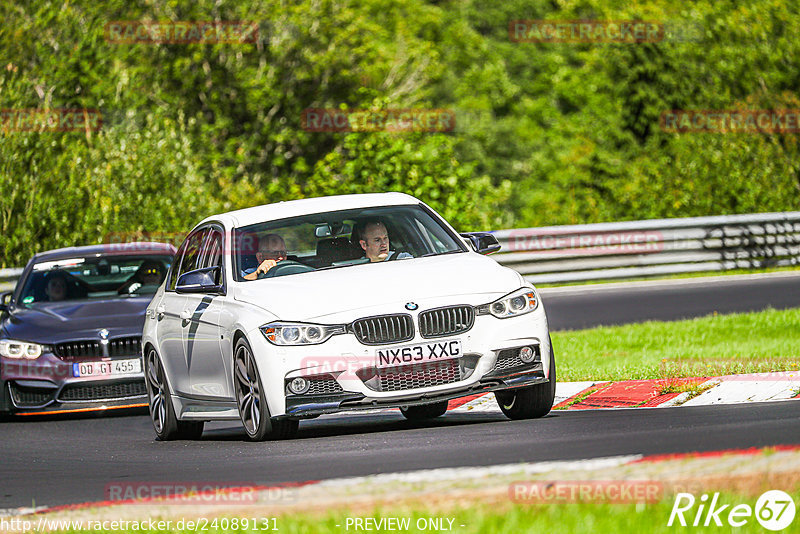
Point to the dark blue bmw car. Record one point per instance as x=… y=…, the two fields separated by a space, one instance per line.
x=70 y=332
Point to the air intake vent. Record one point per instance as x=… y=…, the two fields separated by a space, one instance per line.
x=81 y=392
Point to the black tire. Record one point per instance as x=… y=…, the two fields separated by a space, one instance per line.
x=424 y=411
x=253 y=409
x=533 y=401
x=162 y=413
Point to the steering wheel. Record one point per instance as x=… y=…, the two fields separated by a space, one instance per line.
x=287 y=267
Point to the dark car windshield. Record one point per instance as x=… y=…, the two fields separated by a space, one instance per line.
x=93 y=277
x=339 y=239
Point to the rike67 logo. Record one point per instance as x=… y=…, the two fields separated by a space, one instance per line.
x=774 y=510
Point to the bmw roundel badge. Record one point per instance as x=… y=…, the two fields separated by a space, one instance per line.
x=412 y=306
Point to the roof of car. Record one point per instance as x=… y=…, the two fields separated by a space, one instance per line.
x=144 y=247
x=294 y=208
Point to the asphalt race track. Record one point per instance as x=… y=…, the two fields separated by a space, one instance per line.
x=671 y=300
x=68 y=461
x=54 y=461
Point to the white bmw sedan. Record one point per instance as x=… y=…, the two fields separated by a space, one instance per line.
x=288 y=311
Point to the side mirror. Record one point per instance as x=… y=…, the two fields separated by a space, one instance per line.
x=200 y=281
x=483 y=242
x=5 y=300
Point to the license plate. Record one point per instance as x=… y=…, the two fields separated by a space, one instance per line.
x=115 y=368
x=422 y=353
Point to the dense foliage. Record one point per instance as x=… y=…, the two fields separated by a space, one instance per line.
x=545 y=133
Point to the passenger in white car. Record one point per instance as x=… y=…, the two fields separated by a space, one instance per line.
x=375 y=242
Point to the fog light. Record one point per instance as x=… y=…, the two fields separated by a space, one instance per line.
x=526 y=354
x=299 y=385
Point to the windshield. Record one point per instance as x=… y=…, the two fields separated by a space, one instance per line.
x=339 y=239
x=78 y=278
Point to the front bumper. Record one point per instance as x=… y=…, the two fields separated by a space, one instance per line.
x=303 y=406
x=350 y=375
x=46 y=385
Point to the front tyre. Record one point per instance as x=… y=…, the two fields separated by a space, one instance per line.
x=530 y=402
x=424 y=411
x=252 y=399
x=162 y=413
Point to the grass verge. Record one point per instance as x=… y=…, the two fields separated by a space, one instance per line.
x=499 y=518
x=716 y=345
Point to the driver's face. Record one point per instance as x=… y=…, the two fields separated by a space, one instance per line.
x=375 y=242
x=273 y=249
x=56 y=289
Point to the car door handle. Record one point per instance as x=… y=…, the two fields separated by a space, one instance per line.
x=186 y=315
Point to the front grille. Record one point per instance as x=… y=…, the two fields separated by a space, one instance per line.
x=125 y=346
x=446 y=321
x=78 y=350
x=412 y=376
x=384 y=329
x=29 y=397
x=81 y=392
x=74 y=351
x=323 y=385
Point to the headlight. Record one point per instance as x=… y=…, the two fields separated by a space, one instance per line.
x=519 y=302
x=300 y=333
x=19 y=350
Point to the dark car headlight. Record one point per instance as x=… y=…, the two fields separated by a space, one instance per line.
x=300 y=333
x=520 y=302
x=20 y=350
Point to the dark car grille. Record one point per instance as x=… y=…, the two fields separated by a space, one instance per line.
x=412 y=376
x=446 y=321
x=29 y=397
x=87 y=392
x=384 y=329
x=90 y=349
x=125 y=346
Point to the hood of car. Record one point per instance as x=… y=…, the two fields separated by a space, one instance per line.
x=377 y=288
x=54 y=322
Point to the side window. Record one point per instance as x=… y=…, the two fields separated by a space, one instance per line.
x=213 y=250
x=212 y=254
x=176 y=265
x=191 y=255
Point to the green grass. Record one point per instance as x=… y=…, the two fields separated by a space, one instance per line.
x=709 y=346
x=567 y=518
x=699 y=274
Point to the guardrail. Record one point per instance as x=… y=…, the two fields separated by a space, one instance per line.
x=8 y=278
x=633 y=249
x=605 y=251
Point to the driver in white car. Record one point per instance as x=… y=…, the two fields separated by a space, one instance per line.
x=271 y=250
x=375 y=242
